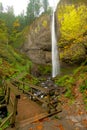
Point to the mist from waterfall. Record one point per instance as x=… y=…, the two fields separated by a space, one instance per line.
x=55 y=55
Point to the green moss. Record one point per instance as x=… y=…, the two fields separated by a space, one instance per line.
x=34 y=81
x=6 y=125
x=61 y=80
x=66 y=81
x=83 y=86
x=12 y=63
x=68 y=93
x=45 y=70
x=83 y=90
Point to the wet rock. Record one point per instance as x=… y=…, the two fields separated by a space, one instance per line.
x=35 y=71
x=79 y=125
x=72 y=118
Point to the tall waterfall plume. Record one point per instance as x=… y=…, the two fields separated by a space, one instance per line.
x=55 y=55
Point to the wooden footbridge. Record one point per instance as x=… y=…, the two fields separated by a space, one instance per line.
x=13 y=94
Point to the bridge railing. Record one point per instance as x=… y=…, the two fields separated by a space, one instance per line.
x=11 y=97
x=48 y=101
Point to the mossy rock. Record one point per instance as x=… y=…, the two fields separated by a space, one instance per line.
x=75 y=53
x=45 y=69
x=40 y=70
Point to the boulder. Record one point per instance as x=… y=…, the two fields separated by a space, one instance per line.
x=76 y=53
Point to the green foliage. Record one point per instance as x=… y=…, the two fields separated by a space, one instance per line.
x=80 y=73
x=83 y=86
x=3 y=32
x=6 y=125
x=17 y=40
x=45 y=5
x=22 y=21
x=61 y=81
x=44 y=70
x=10 y=26
x=33 y=10
x=34 y=81
x=1 y=7
x=8 y=18
x=13 y=32
x=10 y=10
x=14 y=63
x=25 y=87
x=83 y=90
x=68 y=93
x=66 y=81
x=77 y=70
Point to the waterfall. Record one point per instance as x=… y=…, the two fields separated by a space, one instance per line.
x=55 y=55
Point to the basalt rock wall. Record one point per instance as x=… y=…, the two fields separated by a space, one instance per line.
x=38 y=44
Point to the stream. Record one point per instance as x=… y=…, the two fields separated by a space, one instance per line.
x=54 y=92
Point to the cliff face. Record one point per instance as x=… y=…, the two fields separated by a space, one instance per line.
x=38 y=44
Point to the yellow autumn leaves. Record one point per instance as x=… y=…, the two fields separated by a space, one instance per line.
x=73 y=21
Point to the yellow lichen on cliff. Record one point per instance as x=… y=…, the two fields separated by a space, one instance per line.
x=45 y=23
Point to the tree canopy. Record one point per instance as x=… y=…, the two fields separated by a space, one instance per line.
x=73 y=20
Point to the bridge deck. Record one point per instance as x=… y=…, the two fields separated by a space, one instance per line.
x=27 y=109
